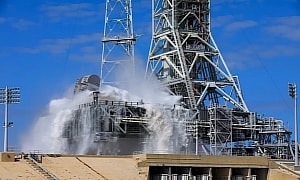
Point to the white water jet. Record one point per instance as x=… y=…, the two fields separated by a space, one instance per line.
x=168 y=130
x=86 y=139
x=46 y=134
x=166 y=120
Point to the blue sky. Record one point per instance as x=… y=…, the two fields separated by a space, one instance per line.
x=46 y=45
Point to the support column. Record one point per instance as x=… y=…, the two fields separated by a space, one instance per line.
x=210 y=174
x=249 y=176
x=229 y=174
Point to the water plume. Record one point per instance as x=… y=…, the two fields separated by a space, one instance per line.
x=46 y=134
x=166 y=120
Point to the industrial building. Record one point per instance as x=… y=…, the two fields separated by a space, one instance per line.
x=208 y=134
x=187 y=62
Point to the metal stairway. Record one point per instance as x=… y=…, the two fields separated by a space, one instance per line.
x=40 y=169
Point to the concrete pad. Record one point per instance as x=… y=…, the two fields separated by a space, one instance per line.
x=18 y=170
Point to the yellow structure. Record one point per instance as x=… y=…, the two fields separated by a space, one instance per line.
x=7 y=157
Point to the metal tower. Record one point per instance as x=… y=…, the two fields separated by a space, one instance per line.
x=185 y=58
x=118 y=42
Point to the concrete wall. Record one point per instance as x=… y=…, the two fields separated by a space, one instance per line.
x=7 y=157
x=216 y=167
x=276 y=174
x=153 y=167
x=207 y=161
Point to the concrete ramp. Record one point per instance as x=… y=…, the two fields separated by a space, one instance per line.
x=68 y=168
x=18 y=170
x=116 y=168
x=94 y=167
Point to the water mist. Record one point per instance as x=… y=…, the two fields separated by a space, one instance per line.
x=166 y=121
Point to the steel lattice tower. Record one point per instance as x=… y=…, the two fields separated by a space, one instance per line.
x=185 y=58
x=118 y=42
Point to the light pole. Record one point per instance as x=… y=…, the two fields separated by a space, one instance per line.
x=293 y=94
x=8 y=96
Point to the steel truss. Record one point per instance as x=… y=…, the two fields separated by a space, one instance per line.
x=118 y=42
x=220 y=130
x=110 y=117
x=226 y=131
x=274 y=139
x=104 y=122
x=185 y=58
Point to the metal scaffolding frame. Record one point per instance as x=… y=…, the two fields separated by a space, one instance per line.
x=185 y=58
x=104 y=122
x=220 y=131
x=106 y=116
x=274 y=139
x=118 y=42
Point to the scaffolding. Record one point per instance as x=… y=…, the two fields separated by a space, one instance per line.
x=220 y=131
x=274 y=139
x=185 y=58
x=118 y=43
x=187 y=62
x=104 y=122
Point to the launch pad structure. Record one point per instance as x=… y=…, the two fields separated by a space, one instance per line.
x=185 y=59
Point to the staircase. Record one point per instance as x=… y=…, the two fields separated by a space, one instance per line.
x=41 y=170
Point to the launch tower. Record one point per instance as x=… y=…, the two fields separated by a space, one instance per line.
x=186 y=60
x=185 y=57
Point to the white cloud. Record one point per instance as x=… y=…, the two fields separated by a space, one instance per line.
x=240 y=25
x=17 y=23
x=220 y=21
x=2 y=20
x=252 y=55
x=279 y=50
x=22 y=24
x=285 y=27
x=56 y=46
x=218 y=5
x=59 y=12
x=87 y=53
x=242 y=58
x=229 y=23
x=90 y=57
